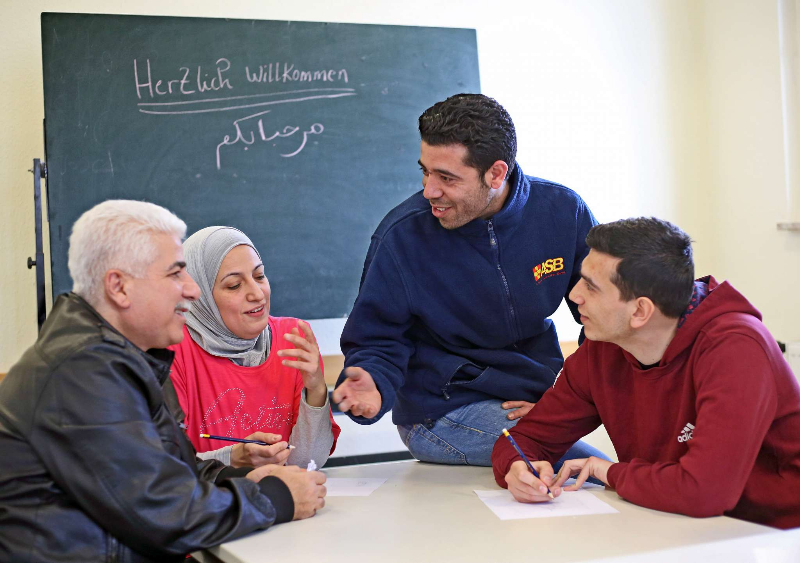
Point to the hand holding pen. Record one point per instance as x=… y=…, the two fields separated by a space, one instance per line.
x=525 y=483
x=259 y=448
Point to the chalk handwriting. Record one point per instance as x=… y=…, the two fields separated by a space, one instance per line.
x=249 y=137
x=184 y=84
x=269 y=73
x=189 y=81
x=230 y=103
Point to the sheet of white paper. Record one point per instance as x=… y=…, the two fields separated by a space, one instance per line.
x=570 y=503
x=349 y=487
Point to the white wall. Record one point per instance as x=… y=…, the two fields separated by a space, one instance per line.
x=645 y=107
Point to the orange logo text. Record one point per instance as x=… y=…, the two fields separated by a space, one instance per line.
x=548 y=268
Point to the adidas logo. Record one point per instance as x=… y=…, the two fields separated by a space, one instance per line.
x=686 y=433
x=557 y=376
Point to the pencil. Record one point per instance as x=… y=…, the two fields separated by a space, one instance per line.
x=240 y=440
x=525 y=459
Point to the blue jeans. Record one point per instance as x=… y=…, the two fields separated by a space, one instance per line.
x=467 y=435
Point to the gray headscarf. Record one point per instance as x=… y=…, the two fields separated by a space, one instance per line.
x=204 y=252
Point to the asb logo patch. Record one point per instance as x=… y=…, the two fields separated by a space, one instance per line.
x=548 y=269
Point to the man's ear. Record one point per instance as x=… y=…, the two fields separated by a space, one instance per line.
x=116 y=285
x=496 y=174
x=643 y=312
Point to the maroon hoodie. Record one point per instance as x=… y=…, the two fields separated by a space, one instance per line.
x=713 y=429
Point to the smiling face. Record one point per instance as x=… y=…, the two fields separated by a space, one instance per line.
x=457 y=192
x=605 y=316
x=241 y=292
x=159 y=299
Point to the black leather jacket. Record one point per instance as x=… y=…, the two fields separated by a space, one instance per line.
x=92 y=465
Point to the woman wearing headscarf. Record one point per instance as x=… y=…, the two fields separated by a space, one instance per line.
x=241 y=373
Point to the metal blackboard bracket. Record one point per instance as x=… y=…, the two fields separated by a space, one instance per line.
x=39 y=171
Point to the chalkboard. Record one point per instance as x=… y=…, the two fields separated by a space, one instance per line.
x=303 y=135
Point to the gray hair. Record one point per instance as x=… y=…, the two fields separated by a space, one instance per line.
x=116 y=234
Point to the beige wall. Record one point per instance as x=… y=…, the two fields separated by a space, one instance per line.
x=746 y=162
x=669 y=108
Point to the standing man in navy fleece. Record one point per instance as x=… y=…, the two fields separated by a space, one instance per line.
x=450 y=329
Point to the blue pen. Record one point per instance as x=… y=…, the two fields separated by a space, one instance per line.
x=240 y=440
x=525 y=459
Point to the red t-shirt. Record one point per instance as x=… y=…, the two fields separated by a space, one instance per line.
x=221 y=398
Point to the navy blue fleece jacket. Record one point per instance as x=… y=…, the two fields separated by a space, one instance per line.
x=445 y=318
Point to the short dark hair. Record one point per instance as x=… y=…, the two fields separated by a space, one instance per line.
x=656 y=261
x=476 y=121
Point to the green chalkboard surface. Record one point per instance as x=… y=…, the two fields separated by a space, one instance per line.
x=303 y=135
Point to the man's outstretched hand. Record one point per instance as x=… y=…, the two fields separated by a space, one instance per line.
x=358 y=393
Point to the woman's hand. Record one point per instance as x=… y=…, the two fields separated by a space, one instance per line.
x=306 y=359
x=253 y=455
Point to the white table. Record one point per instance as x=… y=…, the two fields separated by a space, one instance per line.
x=781 y=547
x=427 y=512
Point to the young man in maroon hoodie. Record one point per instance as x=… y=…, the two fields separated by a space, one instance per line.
x=702 y=408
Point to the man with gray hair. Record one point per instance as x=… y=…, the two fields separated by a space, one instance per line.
x=94 y=466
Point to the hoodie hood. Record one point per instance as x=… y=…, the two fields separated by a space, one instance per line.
x=721 y=299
